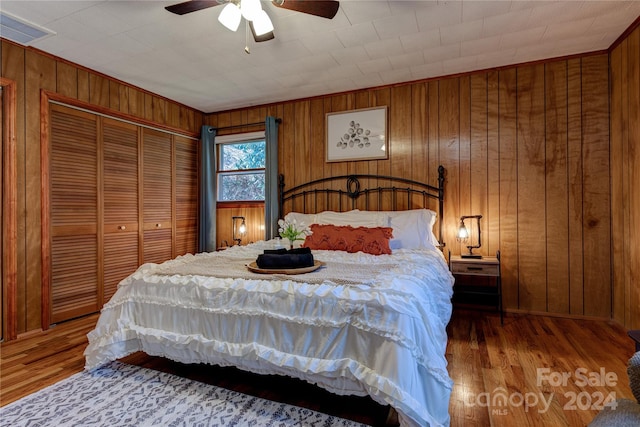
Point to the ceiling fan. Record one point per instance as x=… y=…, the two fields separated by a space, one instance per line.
x=251 y=10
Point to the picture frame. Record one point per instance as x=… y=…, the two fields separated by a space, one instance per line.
x=357 y=135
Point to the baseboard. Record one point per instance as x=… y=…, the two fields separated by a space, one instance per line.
x=29 y=334
x=563 y=315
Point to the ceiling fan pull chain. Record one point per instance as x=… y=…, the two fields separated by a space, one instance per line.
x=246 y=37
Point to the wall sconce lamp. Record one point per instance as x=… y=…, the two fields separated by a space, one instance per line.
x=238 y=230
x=463 y=236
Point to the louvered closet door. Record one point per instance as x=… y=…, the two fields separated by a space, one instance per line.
x=157 y=197
x=74 y=214
x=186 y=195
x=120 y=192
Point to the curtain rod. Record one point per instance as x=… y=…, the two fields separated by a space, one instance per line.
x=245 y=125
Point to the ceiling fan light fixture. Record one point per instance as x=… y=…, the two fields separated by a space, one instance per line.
x=230 y=17
x=250 y=9
x=262 y=23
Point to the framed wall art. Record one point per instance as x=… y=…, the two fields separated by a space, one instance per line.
x=357 y=135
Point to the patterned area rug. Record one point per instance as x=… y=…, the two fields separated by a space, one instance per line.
x=118 y=394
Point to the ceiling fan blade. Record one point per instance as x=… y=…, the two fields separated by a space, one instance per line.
x=192 y=6
x=263 y=37
x=324 y=8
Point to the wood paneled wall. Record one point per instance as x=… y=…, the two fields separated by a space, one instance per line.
x=254 y=220
x=527 y=147
x=625 y=179
x=33 y=71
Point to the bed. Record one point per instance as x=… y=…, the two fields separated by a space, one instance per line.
x=360 y=324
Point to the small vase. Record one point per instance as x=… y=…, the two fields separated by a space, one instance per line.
x=291 y=244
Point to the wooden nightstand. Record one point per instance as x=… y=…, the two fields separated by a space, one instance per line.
x=478 y=281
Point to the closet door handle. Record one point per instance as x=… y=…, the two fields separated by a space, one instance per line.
x=121 y=227
x=158 y=225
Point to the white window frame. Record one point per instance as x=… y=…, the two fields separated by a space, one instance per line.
x=238 y=138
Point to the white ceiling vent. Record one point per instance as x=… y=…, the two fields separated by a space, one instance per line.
x=21 y=31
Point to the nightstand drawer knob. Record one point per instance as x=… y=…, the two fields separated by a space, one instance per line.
x=474 y=268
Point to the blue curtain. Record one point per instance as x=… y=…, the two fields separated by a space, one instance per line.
x=207 y=224
x=271 y=179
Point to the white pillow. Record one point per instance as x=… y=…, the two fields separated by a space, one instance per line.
x=395 y=244
x=306 y=219
x=354 y=218
x=412 y=229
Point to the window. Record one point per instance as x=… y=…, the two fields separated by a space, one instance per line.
x=241 y=167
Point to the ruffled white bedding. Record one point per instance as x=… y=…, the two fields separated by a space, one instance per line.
x=384 y=337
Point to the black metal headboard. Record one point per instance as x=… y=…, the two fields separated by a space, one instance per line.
x=322 y=192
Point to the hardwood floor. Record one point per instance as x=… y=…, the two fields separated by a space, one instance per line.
x=486 y=361
x=485 y=357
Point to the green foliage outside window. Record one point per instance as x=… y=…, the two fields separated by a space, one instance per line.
x=246 y=155
x=241 y=173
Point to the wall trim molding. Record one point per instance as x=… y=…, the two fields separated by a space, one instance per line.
x=53 y=97
x=9 y=206
x=558 y=315
x=625 y=34
x=9 y=211
x=45 y=213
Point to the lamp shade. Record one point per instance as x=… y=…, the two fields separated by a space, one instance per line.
x=230 y=16
x=250 y=9
x=238 y=230
x=463 y=233
x=262 y=23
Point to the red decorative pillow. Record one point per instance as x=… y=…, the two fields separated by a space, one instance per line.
x=373 y=241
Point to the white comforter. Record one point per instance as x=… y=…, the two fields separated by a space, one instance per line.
x=384 y=337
